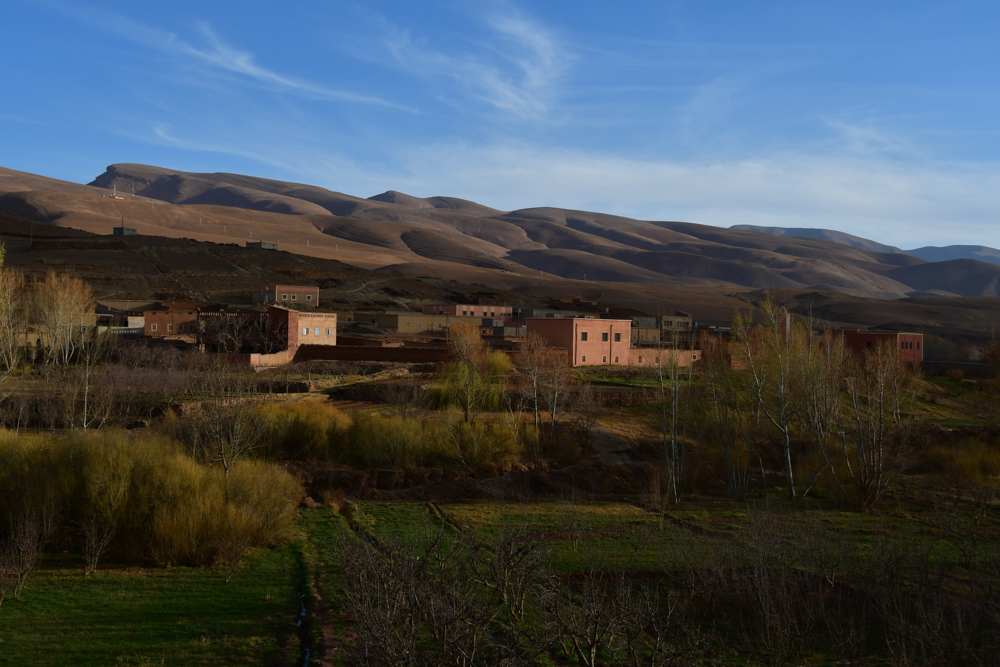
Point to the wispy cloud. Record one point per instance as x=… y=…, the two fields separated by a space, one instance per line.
x=903 y=204
x=518 y=72
x=215 y=53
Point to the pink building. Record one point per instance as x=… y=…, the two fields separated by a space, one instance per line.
x=587 y=342
x=908 y=345
x=469 y=310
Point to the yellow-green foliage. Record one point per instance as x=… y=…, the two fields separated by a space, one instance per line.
x=484 y=443
x=305 y=431
x=155 y=500
x=393 y=442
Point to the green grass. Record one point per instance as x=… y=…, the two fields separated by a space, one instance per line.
x=179 y=616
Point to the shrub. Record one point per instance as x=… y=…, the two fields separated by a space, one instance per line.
x=392 y=442
x=304 y=431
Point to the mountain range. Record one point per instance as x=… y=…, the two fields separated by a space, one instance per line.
x=400 y=234
x=930 y=253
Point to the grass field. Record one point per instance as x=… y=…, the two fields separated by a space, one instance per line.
x=177 y=616
x=188 y=616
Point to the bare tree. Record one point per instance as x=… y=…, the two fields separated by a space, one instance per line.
x=772 y=355
x=874 y=439
x=472 y=378
x=108 y=480
x=230 y=425
x=13 y=319
x=64 y=308
x=823 y=371
x=732 y=417
x=671 y=408
x=21 y=546
x=588 y=404
x=531 y=359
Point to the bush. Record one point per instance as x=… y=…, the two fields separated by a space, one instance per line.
x=304 y=431
x=141 y=497
x=396 y=443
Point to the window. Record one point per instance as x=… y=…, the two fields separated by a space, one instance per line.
x=305 y=331
x=616 y=360
x=170 y=327
x=316 y=332
x=180 y=327
x=604 y=337
x=284 y=297
x=464 y=312
x=604 y=359
x=618 y=338
x=329 y=331
x=309 y=297
x=918 y=345
x=584 y=358
x=640 y=358
x=583 y=336
x=407 y=325
x=153 y=328
x=293 y=297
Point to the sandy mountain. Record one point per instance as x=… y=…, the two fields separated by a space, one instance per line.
x=450 y=237
x=825 y=234
x=946 y=253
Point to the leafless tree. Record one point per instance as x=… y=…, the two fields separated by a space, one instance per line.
x=406 y=398
x=531 y=359
x=472 y=379
x=732 y=417
x=108 y=479
x=671 y=407
x=21 y=546
x=874 y=440
x=588 y=403
x=13 y=319
x=823 y=371
x=772 y=355
x=64 y=310
x=230 y=424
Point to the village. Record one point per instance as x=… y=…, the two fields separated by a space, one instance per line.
x=288 y=324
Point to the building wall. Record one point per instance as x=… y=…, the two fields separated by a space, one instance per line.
x=910 y=346
x=284 y=295
x=651 y=357
x=645 y=334
x=160 y=323
x=589 y=342
x=416 y=323
x=468 y=310
x=346 y=353
x=315 y=329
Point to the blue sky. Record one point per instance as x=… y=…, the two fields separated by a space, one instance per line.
x=880 y=119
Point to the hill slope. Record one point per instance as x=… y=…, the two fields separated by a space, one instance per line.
x=444 y=236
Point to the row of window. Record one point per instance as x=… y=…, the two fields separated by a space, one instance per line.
x=604 y=359
x=604 y=337
x=305 y=331
x=908 y=345
x=170 y=327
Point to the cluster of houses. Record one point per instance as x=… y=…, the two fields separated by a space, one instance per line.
x=287 y=325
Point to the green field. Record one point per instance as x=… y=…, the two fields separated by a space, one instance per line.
x=176 y=616
x=693 y=556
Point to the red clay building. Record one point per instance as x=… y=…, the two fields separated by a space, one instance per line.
x=469 y=310
x=175 y=319
x=284 y=295
x=588 y=342
x=909 y=345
